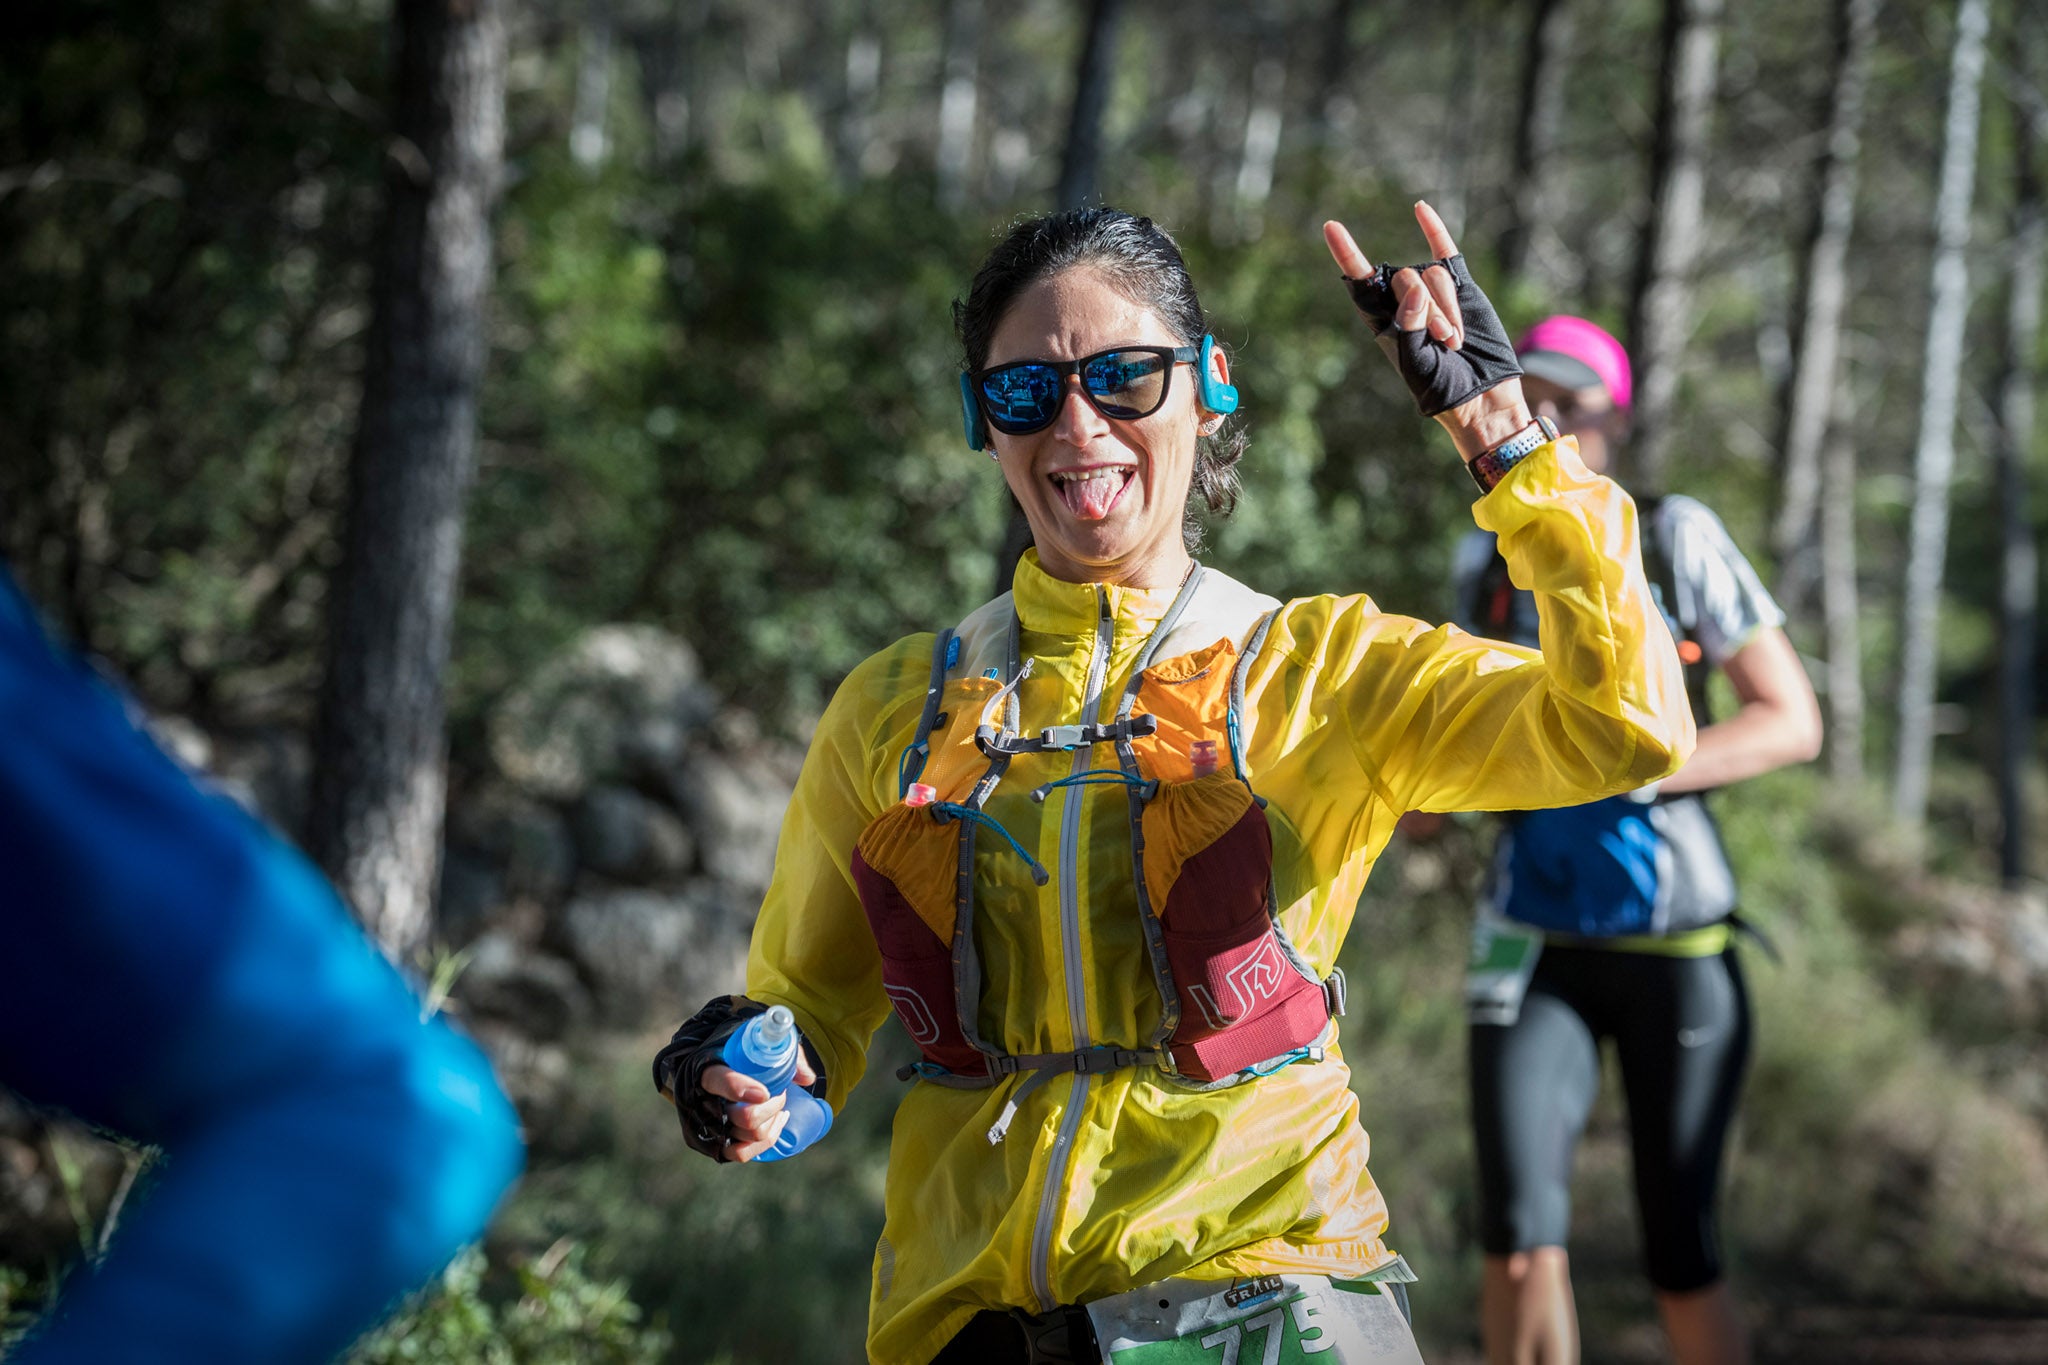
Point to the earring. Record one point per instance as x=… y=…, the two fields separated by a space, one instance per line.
x=993 y=456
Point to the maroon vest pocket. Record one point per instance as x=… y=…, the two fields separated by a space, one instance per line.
x=1285 y=1010
x=917 y=973
x=1242 y=999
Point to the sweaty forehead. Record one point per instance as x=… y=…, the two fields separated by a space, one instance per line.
x=1074 y=313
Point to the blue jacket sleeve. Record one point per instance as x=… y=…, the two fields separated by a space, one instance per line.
x=173 y=971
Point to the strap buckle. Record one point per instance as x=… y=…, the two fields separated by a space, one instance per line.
x=1095 y=1061
x=993 y=740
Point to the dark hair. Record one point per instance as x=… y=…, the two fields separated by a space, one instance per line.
x=1144 y=265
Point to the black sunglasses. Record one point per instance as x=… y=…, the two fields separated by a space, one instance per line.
x=1125 y=383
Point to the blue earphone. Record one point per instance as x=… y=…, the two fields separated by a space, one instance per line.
x=1217 y=396
x=970 y=415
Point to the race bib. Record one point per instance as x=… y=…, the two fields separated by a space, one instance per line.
x=1503 y=959
x=1266 y=1320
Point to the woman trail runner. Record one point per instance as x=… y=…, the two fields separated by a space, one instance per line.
x=1098 y=844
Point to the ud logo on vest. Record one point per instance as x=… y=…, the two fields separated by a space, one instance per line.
x=1257 y=978
x=916 y=1015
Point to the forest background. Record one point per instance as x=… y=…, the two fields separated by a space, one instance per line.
x=716 y=395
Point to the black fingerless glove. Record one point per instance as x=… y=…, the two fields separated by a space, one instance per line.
x=700 y=1043
x=1439 y=377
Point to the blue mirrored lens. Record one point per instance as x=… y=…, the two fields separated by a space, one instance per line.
x=1021 y=397
x=1126 y=383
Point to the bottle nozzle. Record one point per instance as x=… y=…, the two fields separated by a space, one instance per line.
x=765 y=1047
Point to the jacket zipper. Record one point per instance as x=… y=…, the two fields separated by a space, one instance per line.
x=1070 y=944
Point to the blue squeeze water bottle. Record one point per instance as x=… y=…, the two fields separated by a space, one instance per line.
x=767 y=1049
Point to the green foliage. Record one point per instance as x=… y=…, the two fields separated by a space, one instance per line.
x=177 y=357
x=732 y=412
x=552 y=1313
x=21 y=1303
x=1871 y=1154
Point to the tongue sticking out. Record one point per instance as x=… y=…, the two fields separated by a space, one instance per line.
x=1091 y=498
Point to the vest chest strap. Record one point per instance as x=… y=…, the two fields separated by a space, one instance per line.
x=992 y=740
x=1043 y=1066
x=1092 y=1061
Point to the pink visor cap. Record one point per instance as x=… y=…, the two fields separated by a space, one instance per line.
x=1576 y=354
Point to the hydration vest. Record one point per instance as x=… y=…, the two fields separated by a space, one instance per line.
x=1236 y=998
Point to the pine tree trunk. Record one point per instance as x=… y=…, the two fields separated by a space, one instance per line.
x=589 y=135
x=856 y=124
x=2014 y=442
x=1539 y=110
x=1840 y=607
x=1817 y=329
x=379 y=758
x=1660 y=313
x=1076 y=189
x=1934 y=452
x=1465 y=126
x=667 y=47
x=1261 y=149
x=1335 y=107
x=958 y=96
x=1082 y=155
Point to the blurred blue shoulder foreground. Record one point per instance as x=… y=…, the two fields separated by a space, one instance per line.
x=176 y=973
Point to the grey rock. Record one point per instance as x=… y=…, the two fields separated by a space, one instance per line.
x=529 y=841
x=2028 y=934
x=538 y=1074
x=537 y=994
x=618 y=701
x=274 y=770
x=628 y=837
x=735 y=804
x=472 y=893
x=644 y=953
x=714 y=956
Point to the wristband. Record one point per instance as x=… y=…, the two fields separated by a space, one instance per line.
x=1490 y=467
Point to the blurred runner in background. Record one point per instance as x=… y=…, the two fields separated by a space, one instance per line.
x=173 y=971
x=1613 y=921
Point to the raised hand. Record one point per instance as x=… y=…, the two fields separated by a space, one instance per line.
x=1441 y=334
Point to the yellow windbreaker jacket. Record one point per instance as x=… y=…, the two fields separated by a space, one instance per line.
x=1351 y=717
